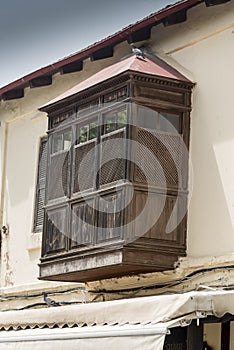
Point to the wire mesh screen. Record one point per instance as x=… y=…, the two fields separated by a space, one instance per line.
x=112 y=158
x=83 y=223
x=110 y=217
x=55 y=231
x=84 y=166
x=58 y=175
x=165 y=164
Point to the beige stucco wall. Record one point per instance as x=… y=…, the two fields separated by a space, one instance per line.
x=21 y=127
x=203 y=49
x=212 y=335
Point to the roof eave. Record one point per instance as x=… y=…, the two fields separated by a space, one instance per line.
x=112 y=40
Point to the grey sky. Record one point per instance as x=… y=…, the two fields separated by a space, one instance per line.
x=36 y=33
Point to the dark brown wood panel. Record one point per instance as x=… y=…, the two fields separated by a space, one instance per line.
x=150 y=92
x=159 y=158
x=119 y=224
x=83 y=224
x=55 y=233
x=58 y=176
x=84 y=166
x=112 y=157
x=110 y=217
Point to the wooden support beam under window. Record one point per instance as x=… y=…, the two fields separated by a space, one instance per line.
x=215 y=2
x=13 y=94
x=41 y=81
x=105 y=52
x=175 y=18
x=72 y=67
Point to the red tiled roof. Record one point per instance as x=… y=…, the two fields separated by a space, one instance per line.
x=131 y=63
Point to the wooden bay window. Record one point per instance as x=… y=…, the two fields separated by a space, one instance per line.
x=117 y=175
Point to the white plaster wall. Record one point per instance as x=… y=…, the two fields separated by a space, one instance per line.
x=25 y=125
x=22 y=153
x=203 y=49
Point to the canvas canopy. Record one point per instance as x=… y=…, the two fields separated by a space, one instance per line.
x=139 y=323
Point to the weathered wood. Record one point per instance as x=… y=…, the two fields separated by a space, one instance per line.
x=162 y=95
x=100 y=235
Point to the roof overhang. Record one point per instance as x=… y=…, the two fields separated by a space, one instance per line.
x=139 y=31
x=150 y=66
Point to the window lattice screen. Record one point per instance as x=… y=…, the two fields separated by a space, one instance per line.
x=112 y=157
x=84 y=174
x=166 y=151
x=58 y=175
x=83 y=222
x=110 y=216
x=55 y=229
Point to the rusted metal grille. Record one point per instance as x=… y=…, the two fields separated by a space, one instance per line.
x=82 y=224
x=55 y=238
x=163 y=167
x=112 y=157
x=84 y=166
x=58 y=175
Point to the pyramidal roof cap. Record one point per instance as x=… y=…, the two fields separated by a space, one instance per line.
x=132 y=63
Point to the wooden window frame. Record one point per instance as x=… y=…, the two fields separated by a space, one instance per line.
x=40 y=183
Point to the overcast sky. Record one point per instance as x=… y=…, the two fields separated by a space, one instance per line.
x=35 y=33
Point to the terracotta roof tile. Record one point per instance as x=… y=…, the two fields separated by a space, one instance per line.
x=132 y=63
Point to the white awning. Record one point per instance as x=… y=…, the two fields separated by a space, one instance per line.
x=139 y=323
x=86 y=338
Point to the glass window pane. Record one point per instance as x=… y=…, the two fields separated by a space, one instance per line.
x=147 y=118
x=67 y=140
x=110 y=123
x=169 y=122
x=122 y=118
x=57 y=143
x=115 y=120
x=84 y=131
x=93 y=130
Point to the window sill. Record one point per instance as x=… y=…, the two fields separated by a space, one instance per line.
x=34 y=241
